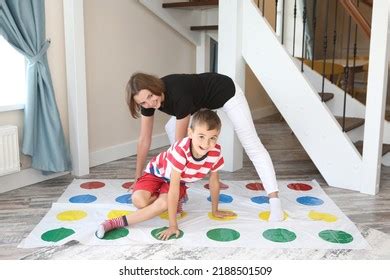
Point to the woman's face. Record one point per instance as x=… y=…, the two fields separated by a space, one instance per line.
x=146 y=99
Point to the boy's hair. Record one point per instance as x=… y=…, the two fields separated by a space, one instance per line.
x=208 y=117
x=139 y=81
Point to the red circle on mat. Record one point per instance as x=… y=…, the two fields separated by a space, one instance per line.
x=255 y=186
x=92 y=185
x=222 y=186
x=128 y=185
x=299 y=187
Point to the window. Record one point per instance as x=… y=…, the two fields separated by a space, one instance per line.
x=12 y=77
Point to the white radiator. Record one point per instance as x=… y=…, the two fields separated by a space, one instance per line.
x=9 y=150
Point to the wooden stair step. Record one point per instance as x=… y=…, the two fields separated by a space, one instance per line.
x=359 y=147
x=350 y=123
x=204 y=27
x=192 y=5
x=387 y=115
x=327 y=96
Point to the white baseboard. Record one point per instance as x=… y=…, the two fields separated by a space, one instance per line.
x=264 y=112
x=24 y=178
x=124 y=150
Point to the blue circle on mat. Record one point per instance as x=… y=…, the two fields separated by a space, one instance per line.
x=223 y=198
x=260 y=199
x=84 y=198
x=309 y=200
x=126 y=199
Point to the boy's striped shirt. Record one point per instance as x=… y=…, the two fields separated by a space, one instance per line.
x=179 y=157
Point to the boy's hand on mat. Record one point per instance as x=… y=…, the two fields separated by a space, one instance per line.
x=172 y=230
x=222 y=214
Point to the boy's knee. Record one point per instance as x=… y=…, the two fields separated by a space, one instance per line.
x=139 y=201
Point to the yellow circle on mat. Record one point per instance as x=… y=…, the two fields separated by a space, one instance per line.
x=178 y=217
x=71 y=215
x=118 y=213
x=212 y=217
x=265 y=215
x=318 y=216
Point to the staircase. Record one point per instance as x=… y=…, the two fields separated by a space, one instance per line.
x=296 y=95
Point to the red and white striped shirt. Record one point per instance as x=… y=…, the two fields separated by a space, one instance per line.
x=179 y=158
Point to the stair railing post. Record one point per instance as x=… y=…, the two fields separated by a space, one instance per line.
x=279 y=19
x=314 y=32
x=295 y=25
x=283 y=9
x=276 y=15
x=303 y=35
x=354 y=57
x=334 y=41
x=346 y=73
x=325 y=48
x=376 y=97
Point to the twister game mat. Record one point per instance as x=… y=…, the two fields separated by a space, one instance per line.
x=312 y=219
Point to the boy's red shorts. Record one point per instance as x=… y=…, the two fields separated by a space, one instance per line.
x=156 y=185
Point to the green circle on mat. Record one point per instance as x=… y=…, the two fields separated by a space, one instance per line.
x=279 y=235
x=156 y=231
x=57 y=234
x=223 y=234
x=116 y=234
x=336 y=236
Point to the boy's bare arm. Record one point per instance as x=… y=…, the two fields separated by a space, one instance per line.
x=173 y=200
x=214 y=187
x=144 y=142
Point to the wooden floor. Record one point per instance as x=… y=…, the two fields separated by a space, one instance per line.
x=22 y=209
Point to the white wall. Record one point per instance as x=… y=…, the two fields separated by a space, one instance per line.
x=120 y=39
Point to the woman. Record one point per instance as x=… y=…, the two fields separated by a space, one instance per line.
x=181 y=95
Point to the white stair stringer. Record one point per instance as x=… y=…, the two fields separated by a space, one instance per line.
x=312 y=122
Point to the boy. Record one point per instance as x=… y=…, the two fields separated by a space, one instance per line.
x=162 y=186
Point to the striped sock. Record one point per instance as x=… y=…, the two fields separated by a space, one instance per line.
x=110 y=225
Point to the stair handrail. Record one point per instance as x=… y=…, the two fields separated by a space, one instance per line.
x=352 y=9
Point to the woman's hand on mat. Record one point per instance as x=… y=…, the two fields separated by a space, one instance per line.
x=172 y=230
x=222 y=214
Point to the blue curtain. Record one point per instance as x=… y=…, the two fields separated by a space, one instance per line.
x=22 y=23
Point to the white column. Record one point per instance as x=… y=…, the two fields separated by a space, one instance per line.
x=376 y=97
x=201 y=53
x=76 y=83
x=203 y=47
x=230 y=63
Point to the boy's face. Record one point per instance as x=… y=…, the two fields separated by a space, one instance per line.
x=203 y=140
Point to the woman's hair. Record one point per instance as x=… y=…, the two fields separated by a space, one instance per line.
x=140 y=81
x=208 y=117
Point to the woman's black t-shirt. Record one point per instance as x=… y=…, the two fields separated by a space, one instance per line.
x=187 y=93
